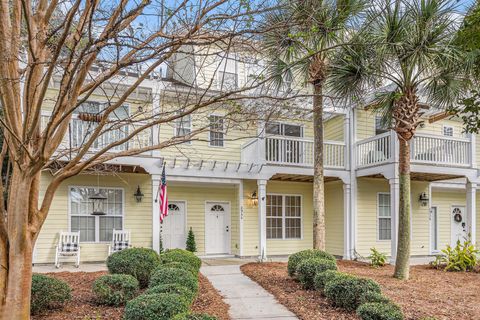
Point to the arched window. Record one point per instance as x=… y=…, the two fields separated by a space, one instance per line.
x=173 y=207
x=217 y=208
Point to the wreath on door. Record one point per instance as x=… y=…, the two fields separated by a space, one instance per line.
x=457 y=217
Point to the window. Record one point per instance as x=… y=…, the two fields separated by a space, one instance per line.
x=216 y=131
x=448 y=131
x=283 y=129
x=284 y=217
x=228 y=80
x=183 y=126
x=380 y=125
x=95 y=228
x=384 y=217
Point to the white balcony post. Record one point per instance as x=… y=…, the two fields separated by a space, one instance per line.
x=347 y=139
x=394 y=151
x=472 y=210
x=262 y=219
x=155 y=214
x=473 y=150
x=394 y=212
x=347 y=222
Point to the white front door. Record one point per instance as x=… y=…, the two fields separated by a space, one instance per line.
x=173 y=226
x=217 y=228
x=459 y=224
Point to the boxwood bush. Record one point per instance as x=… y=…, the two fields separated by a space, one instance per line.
x=307 y=270
x=173 y=288
x=115 y=289
x=179 y=255
x=374 y=297
x=322 y=278
x=155 y=306
x=174 y=276
x=347 y=291
x=194 y=316
x=182 y=265
x=295 y=258
x=379 y=311
x=48 y=293
x=138 y=262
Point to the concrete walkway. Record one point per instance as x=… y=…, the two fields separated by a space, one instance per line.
x=246 y=298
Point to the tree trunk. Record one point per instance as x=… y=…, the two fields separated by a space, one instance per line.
x=402 y=263
x=318 y=181
x=17 y=286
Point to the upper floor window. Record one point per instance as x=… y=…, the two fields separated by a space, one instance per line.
x=283 y=129
x=380 y=125
x=384 y=217
x=228 y=80
x=183 y=126
x=448 y=131
x=216 y=131
x=284 y=217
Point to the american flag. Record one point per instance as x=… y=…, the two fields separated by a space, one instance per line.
x=162 y=190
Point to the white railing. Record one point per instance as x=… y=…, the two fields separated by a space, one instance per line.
x=440 y=150
x=375 y=150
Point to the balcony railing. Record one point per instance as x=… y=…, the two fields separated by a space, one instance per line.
x=373 y=151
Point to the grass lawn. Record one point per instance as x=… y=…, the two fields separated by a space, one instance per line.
x=429 y=292
x=83 y=305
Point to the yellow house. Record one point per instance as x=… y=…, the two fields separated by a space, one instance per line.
x=247 y=190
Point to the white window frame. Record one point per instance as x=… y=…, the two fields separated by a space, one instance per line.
x=176 y=128
x=97 y=218
x=378 y=216
x=210 y=131
x=283 y=238
x=445 y=127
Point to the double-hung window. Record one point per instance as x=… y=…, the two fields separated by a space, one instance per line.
x=448 y=131
x=284 y=217
x=384 y=217
x=216 y=131
x=183 y=125
x=95 y=228
x=228 y=80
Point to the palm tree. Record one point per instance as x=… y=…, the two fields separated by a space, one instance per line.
x=406 y=46
x=301 y=38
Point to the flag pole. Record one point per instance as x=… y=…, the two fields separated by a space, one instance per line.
x=158 y=190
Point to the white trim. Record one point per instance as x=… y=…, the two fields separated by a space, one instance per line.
x=228 y=223
x=240 y=217
x=222 y=131
x=378 y=216
x=432 y=251
x=284 y=216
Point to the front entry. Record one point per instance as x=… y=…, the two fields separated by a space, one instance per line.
x=459 y=224
x=217 y=228
x=172 y=228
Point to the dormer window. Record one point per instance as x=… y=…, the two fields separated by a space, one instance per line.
x=228 y=80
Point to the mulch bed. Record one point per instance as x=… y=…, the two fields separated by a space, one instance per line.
x=428 y=292
x=83 y=305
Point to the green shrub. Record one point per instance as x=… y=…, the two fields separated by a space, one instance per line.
x=308 y=269
x=371 y=296
x=296 y=258
x=115 y=289
x=347 y=291
x=156 y=306
x=138 y=262
x=379 y=311
x=191 y=245
x=48 y=293
x=323 y=277
x=464 y=257
x=171 y=276
x=194 y=316
x=181 y=265
x=179 y=255
x=377 y=258
x=173 y=288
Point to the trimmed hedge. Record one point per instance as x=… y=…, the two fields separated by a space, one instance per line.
x=374 y=297
x=323 y=277
x=347 y=291
x=48 y=293
x=179 y=255
x=194 y=316
x=174 y=276
x=181 y=265
x=138 y=262
x=297 y=257
x=115 y=289
x=156 y=306
x=379 y=311
x=173 y=288
x=307 y=270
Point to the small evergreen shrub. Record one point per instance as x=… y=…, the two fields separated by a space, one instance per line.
x=173 y=288
x=347 y=291
x=181 y=265
x=194 y=316
x=379 y=311
x=48 y=293
x=377 y=258
x=115 y=289
x=138 y=262
x=296 y=258
x=191 y=244
x=308 y=269
x=156 y=306
x=370 y=297
x=179 y=255
x=322 y=278
x=174 y=276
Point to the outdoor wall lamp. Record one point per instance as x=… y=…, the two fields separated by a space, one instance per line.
x=424 y=199
x=138 y=194
x=254 y=199
x=98 y=202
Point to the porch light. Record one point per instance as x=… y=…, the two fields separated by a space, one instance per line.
x=138 y=194
x=98 y=201
x=254 y=199
x=424 y=199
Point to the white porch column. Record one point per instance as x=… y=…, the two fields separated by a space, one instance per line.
x=472 y=210
x=394 y=211
x=262 y=219
x=473 y=150
x=347 y=222
x=240 y=218
x=155 y=214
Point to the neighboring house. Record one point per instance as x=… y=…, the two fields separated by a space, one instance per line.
x=248 y=191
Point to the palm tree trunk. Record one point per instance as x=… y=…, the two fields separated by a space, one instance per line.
x=402 y=263
x=318 y=179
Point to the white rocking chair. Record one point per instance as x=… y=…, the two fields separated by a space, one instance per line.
x=120 y=241
x=68 y=246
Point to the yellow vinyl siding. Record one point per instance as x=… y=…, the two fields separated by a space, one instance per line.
x=250 y=220
x=420 y=220
x=436 y=128
x=334 y=129
x=137 y=216
x=334 y=217
x=444 y=200
x=365 y=124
